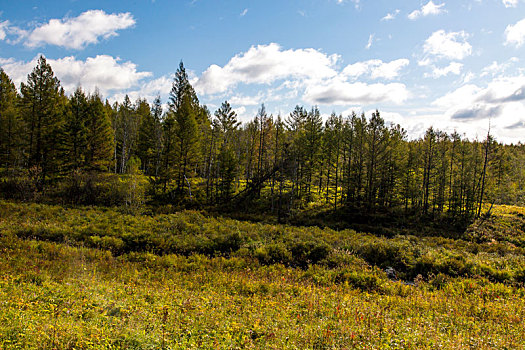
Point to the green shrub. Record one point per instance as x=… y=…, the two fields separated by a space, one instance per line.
x=274 y=253
x=359 y=279
x=308 y=252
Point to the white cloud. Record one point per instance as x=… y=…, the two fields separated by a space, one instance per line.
x=355 y=70
x=391 y=16
x=458 y=96
x=148 y=90
x=389 y=70
x=502 y=101
x=338 y=92
x=376 y=69
x=77 y=32
x=305 y=74
x=515 y=34
x=3 y=28
x=265 y=64
x=496 y=68
x=103 y=72
x=468 y=77
x=452 y=68
x=11 y=34
x=241 y=113
x=429 y=9
x=370 y=42
x=452 y=45
x=246 y=100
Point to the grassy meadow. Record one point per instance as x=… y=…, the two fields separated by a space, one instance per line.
x=94 y=278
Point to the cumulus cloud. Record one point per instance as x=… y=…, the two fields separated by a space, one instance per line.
x=502 y=100
x=103 y=72
x=452 y=45
x=429 y=9
x=307 y=74
x=77 y=32
x=452 y=68
x=265 y=64
x=477 y=111
x=376 y=69
x=148 y=90
x=338 y=92
x=515 y=34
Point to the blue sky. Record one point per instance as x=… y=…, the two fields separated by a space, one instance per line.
x=456 y=65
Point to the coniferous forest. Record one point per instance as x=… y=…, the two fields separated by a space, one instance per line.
x=70 y=148
x=165 y=225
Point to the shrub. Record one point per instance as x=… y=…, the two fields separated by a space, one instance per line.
x=359 y=279
x=274 y=253
x=308 y=252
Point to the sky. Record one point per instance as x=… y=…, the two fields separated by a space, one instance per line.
x=455 y=65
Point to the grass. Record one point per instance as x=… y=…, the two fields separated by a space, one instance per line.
x=274 y=287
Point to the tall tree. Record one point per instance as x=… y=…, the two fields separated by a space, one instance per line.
x=313 y=128
x=127 y=124
x=10 y=124
x=41 y=109
x=226 y=125
x=184 y=105
x=377 y=136
x=147 y=135
x=99 y=135
x=75 y=140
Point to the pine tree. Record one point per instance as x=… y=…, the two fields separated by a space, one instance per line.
x=41 y=103
x=184 y=107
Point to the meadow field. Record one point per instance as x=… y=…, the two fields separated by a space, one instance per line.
x=92 y=278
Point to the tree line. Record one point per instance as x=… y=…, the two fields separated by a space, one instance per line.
x=188 y=153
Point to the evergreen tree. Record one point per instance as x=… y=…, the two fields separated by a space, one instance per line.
x=184 y=107
x=75 y=131
x=10 y=124
x=41 y=98
x=99 y=135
